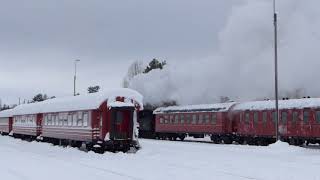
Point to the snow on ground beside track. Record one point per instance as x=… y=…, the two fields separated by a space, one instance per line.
x=22 y=160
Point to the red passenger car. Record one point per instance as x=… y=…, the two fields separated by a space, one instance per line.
x=5 y=121
x=299 y=121
x=195 y=120
x=100 y=121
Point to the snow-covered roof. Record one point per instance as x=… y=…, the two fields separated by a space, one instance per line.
x=283 y=104
x=81 y=102
x=6 y=113
x=120 y=104
x=220 y=107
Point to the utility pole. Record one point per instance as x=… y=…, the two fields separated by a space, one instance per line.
x=275 y=23
x=75 y=76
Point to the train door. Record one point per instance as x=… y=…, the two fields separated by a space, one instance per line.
x=38 y=119
x=121 y=123
x=10 y=124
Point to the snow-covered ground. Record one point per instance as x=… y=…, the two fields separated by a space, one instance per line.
x=161 y=160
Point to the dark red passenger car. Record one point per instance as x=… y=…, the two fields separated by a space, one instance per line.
x=299 y=121
x=195 y=120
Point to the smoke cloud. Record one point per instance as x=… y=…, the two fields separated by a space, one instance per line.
x=242 y=67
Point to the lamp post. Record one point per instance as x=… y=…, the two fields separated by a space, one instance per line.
x=275 y=24
x=75 y=76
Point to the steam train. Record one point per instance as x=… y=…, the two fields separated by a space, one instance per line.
x=98 y=121
x=252 y=123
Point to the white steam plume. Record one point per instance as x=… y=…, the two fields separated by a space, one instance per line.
x=242 y=67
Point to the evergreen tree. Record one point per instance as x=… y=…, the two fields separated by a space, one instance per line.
x=155 y=64
x=39 y=97
x=93 y=89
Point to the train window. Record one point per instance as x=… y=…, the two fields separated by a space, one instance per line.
x=60 y=121
x=176 y=119
x=50 y=119
x=213 y=118
x=295 y=116
x=44 y=119
x=161 y=120
x=119 y=118
x=70 y=119
x=80 y=115
x=56 y=121
x=166 y=119
x=207 y=118
x=305 y=116
x=74 y=119
x=171 y=119
x=30 y=120
x=284 y=117
x=318 y=116
x=65 y=122
x=274 y=117
x=80 y=122
x=188 y=117
x=247 y=117
x=200 y=119
x=194 y=119
x=85 y=119
x=182 y=119
x=255 y=117
x=264 y=117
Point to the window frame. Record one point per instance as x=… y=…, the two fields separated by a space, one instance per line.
x=214 y=118
x=306 y=121
x=194 y=119
x=161 y=119
x=176 y=119
x=295 y=117
x=86 y=119
x=284 y=121
x=200 y=118
x=317 y=116
x=182 y=120
x=207 y=118
x=188 y=118
x=264 y=117
x=274 y=116
x=255 y=117
x=247 y=117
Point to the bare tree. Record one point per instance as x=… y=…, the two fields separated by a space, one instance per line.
x=134 y=69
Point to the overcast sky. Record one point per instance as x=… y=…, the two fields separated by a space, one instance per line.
x=39 y=40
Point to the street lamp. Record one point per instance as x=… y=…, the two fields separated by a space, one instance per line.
x=75 y=76
x=275 y=24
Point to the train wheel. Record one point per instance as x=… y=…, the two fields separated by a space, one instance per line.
x=240 y=141
x=292 y=141
x=182 y=137
x=227 y=140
